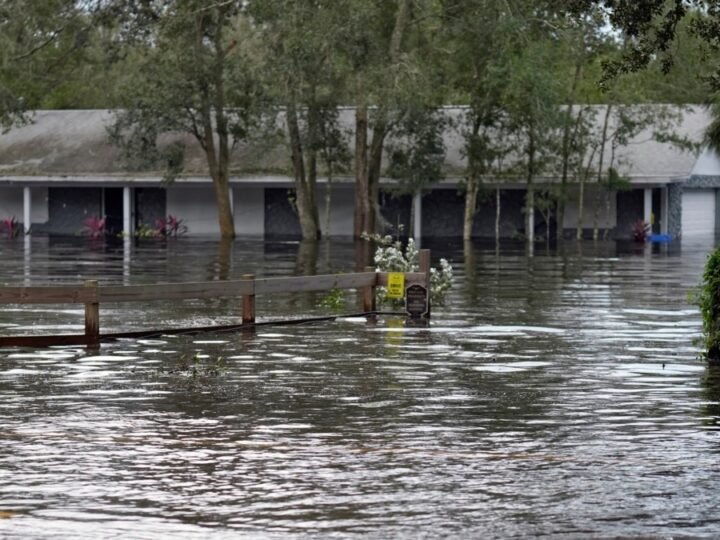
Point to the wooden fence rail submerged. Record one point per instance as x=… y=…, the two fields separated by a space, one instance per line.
x=91 y=295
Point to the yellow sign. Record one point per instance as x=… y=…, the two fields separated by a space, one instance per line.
x=396 y=285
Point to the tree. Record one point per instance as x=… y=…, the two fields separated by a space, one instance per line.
x=39 y=41
x=532 y=101
x=378 y=71
x=480 y=35
x=307 y=80
x=417 y=152
x=582 y=39
x=193 y=76
x=651 y=29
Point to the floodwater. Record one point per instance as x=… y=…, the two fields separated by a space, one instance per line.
x=559 y=395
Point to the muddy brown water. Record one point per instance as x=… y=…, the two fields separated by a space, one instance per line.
x=559 y=395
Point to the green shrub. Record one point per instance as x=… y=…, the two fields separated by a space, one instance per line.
x=709 y=302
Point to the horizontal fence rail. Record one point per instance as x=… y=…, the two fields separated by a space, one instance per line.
x=91 y=295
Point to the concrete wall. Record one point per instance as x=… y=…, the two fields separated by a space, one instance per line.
x=11 y=203
x=342 y=208
x=196 y=206
x=249 y=210
x=280 y=219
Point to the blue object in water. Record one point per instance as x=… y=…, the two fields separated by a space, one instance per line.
x=660 y=238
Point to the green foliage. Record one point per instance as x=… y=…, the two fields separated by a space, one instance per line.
x=618 y=182
x=417 y=151
x=195 y=372
x=709 y=302
x=41 y=42
x=333 y=300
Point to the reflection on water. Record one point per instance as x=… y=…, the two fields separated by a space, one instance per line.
x=555 y=395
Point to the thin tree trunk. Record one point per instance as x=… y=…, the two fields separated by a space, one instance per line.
x=603 y=141
x=566 y=151
x=218 y=156
x=374 y=168
x=311 y=186
x=471 y=195
x=581 y=209
x=584 y=175
x=497 y=215
x=328 y=199
x=530 y=196
x=218 y=166
x=361 y=171
x=303 y=191
x=373 y=163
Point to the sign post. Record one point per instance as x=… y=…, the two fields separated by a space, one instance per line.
x=416 y=301
x=396 y=285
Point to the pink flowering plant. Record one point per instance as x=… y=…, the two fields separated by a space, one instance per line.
x=170 y=226
x=94 y=227
x=10 y=226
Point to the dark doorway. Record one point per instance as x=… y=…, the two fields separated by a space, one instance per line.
x=656 y=210
x=149 y=207
x=113 y=199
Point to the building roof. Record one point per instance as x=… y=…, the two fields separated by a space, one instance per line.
x=74 y=143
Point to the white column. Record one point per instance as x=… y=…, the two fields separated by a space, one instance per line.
x=417 y=218
x=232 y=201
x=127 y=211
x=127 y=259
x=27 y=261
x=27 y=209
x=647 y=205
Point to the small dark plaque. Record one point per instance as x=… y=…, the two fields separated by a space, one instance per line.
x=416 y=301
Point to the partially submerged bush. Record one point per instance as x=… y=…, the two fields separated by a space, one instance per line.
x=390 y=257
x=709 y=302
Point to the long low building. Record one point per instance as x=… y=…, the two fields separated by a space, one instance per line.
x=61 y=168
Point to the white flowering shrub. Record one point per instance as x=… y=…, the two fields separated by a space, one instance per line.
x=390 y=257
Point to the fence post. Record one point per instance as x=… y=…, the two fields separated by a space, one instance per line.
x=368 y=295
x=248 y=302
x=424 y=262
x=92 y=316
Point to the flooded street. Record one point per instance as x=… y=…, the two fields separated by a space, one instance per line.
x=559 y=395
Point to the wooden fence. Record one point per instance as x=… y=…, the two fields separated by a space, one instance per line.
x=92 y=295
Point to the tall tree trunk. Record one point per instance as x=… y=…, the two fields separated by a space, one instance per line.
x=566 y=151
x=497 y=215
x=530 y=196
x=222 y=165
x=380 y=131
x=367 y=169
x=218 y=164
x=303 y=192
x=581 y=209
x=361 y=171
x=471 y=195
x=601 y=157
x=584 y=175
x=328 y=198
x=312 y=159
x=472 y=188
